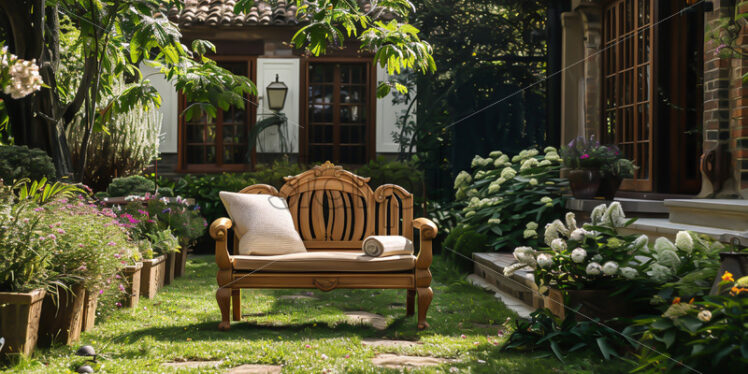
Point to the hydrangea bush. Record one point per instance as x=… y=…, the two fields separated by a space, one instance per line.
x=509 y=198
x=597 y=255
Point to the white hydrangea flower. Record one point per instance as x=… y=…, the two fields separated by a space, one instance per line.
x=578 y=235
x=528 y=164
x=597 y=214
x=472 y=192
x=544 y=163
x=495 y=154
x=597 y=258
x=614 y=215
x=532 y=153
x=571 y=222
x=533 y=182
x=525 y=255
x=509 y=270
x=494 y=188
x=610 y=268
x=480 y=174
x=531 y=225
x=550 y=149
x=593 y=268
x=578 y=255
x=684 y=241
x=469 y=214
x=668 y=258
x=546 y=200
x=659 y=273
x=501 y=161
x=477 y=161
x=641 y=241
x=24 y=75
x=628 y=272
x=494 y=221
x=529 y=234
x=552 y=156
x=545 y=261
x=664 y=244
x=558 y=245
x=508 y=173
x=463 y=179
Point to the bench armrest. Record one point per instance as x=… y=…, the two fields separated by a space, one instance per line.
x=219 y=231
x=427 y=232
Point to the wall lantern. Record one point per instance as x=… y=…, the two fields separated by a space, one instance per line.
x=276 y=94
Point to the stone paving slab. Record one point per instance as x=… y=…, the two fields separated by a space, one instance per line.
x=365 y=318
x=255 y=369
x=371 y=342
x=192 y=364
x=391 y=361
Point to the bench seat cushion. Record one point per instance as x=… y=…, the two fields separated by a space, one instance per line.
x=325 y=261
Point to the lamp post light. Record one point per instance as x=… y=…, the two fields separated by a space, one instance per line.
x=276 y=93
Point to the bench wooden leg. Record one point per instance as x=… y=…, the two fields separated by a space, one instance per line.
x=410 y=303
x=236 y=307
x=424 y=300
x=223 y=296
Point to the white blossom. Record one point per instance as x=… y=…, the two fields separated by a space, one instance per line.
x=704 y=316
x=593 y=268
x=533 y=181
x=495 y=154
x=628 y=272
x=578 y=235
x=509 y=270
x=597 y=214
x=571 y=221
x=668 y=258
x=641 y=241
x=545 y=261
x=578 y=255
x=494 y=221
x=501 y=161
x=597 y=258
x=24 y=75
x=525 y=255
x=508 y=173
x=659 y=273
x=462 y=179
x=550 y=149
x=664 y=244
x=552 y=156
x=610 y=268
x=528 y=164
x=544 y=163
x=614 y=215
x=684 y=241
x=528 y=234
x=531 y=225
x=558 y=245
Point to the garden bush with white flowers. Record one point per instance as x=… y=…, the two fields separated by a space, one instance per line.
x=597 y=256
x=504 y=200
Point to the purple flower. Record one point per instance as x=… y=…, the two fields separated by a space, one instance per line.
x=118 y=304
x=121 y=287
x=60 y=231
x=117 y=255
x=111 y=244
x=167 y=210
x=38 y=209
x=52 y=236
x=101 y=292
x=584 y=156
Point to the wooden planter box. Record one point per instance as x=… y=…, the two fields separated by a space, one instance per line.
x=131 y=274
x=152 y=276
x=90 y=302
x=594 y=304
x=19 y=321
x=171 y=259
x=181 y=262
x=62 y=318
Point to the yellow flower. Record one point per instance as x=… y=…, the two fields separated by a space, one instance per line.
x=727 y=276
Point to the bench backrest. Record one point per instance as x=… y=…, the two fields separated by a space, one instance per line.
x=335 y=209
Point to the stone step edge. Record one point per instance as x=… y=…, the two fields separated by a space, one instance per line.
x=663 y=227
x=526 y=280
x=518 y=306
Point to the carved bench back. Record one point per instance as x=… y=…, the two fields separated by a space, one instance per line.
x=335 y=209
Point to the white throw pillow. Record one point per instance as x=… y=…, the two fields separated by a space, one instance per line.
x=263 y=223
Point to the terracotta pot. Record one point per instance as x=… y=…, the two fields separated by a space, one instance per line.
x=609 y=186
x=19 y=321
x=132 y=277
x=591 y=303
x=181 y=262
x=90 y=302
x=62 y=318
x=152 y=276
x=171 y=259
x=584 y=183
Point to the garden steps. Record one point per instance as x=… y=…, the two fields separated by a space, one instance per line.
x=520 y=286
x=656 y=227
x=729 y=214
x=518 y=306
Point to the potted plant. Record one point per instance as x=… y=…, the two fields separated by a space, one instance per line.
x=90 y=248
x=24 y=275
x=594 y=169
x=166 y=244
x=131 y=276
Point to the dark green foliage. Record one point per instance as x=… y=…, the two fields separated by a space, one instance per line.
x=132 y=185
x=547 y=333
x=469 y=242
x=402 y=173
x=205 y=188
x=451 y=241
x=274 y=173
x=18 y=162
x=165 y=191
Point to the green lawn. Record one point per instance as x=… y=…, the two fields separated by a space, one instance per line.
x=181 y=324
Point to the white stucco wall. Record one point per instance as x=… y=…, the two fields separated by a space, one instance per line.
x=288 y=71
x=387 y=114
x=169 y=107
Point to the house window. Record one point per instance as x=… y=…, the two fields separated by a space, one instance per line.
x=339 y=112
x=627 y=84
x=219 y=143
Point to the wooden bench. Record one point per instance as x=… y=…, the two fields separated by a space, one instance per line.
x=334 y=211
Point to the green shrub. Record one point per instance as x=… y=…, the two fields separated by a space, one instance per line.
x=274 y=173
x=509 y=199
x=132 y=185
x=383 y=171
x=205 y=188
x=18 y=162
x=165 y=191
x=469 y=242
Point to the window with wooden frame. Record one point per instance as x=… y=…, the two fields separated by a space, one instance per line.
x=628 y=84
x=221 y=143
x=339 y=111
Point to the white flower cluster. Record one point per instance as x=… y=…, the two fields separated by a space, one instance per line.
x=530 y=230
x=525 y=154
x=479 y=161
x=529 y=164
x=23 y=75
x=611 y=216
x=502 y=160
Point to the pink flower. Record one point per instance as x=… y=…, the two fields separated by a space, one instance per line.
x=111 y=244
x=41 y=238
x=118 y=276
x=38 y=209
x=81 y=245
x=121 y=288
x=143 y=212
x=584 y=156
x=82 y=268
x=347 y=355
x=307 y=346
x=117 y=255
x=463 y=336
x=60 y=231
x=52 y=236
x=501 y=333
x=118 y=304
x=25 y=220
x=101 y=292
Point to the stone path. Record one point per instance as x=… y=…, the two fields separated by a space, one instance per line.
x=192 y=364
x=365 y=318
x=391 y=361
x=371 y=342
x=297 y=297
x=255 y=369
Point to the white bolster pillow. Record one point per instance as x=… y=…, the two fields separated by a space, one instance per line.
x=387 y=245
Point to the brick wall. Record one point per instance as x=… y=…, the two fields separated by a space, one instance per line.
x=739 y=112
